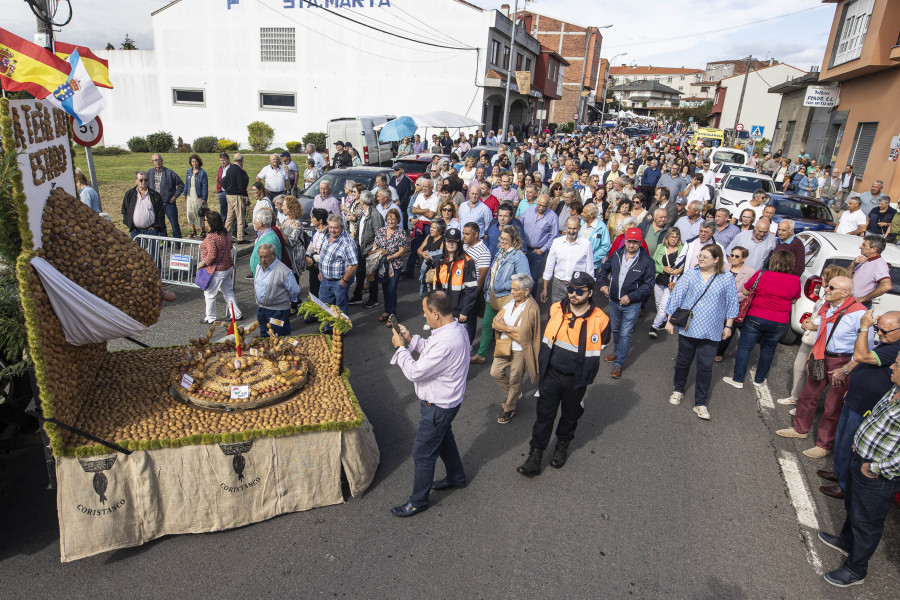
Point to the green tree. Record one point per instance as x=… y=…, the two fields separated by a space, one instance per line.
x=128 y=44
x=260 y=135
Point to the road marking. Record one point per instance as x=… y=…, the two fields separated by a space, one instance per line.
x=764 y=396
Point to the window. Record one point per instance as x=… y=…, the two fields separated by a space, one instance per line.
x=669 y=79
x=519 y=58
x=682 y=78
x=862 y=145
x=528 y=64
x=495 y=52
x=505 y=64
x=278 y=101
x=680 y=87
x=851 y=33
x=788 y=136
x=189 y=97
x=276 y=44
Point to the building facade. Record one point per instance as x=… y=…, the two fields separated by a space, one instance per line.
x=580 y=47
x=863 y=58
x=678 y=78
x=644 y=94
x=296 y=65
x=759 y=107
x=705 y=85
x=800 y=128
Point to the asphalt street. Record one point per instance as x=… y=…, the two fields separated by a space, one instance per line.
x=653 y=503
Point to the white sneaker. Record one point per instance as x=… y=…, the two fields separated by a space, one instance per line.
x=759 y=384
x=792 y=412
x=730 y=381
x=702 y=412
x=789 y=401
x=675 y=398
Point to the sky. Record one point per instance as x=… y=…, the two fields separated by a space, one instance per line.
x=706 y=30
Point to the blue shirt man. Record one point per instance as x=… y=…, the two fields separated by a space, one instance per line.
x=475 y=211
x=541 y=227
x=275 y=289
x=504 y=218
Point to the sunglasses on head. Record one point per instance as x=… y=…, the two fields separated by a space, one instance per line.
x=576 y=291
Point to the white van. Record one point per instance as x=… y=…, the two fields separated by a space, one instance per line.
x=360 y=132
x=724 y=154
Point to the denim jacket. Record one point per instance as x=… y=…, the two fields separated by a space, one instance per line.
x=201 y=183
x=514 y=262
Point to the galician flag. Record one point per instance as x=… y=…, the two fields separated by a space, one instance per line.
x=78 y=96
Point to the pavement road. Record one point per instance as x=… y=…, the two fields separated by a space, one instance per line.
x=653 y=503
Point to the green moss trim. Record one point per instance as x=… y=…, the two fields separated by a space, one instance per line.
x=325 y=318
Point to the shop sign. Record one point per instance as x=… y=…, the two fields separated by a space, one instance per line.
x=821 y=96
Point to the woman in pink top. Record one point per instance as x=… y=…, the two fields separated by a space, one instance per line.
x=767 y=318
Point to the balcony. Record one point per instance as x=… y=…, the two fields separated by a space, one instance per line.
x=863 y=40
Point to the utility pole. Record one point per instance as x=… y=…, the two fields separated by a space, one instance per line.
x=737 y=116
x=509 y=69
x=605 y=79
x=44 y=36
x=587 y=46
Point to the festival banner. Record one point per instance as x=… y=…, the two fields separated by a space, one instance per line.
x=96 y=67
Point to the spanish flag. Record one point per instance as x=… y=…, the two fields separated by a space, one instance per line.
x=28 y=67
x=96 y=67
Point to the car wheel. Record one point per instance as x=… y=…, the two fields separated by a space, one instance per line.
x=790 y=337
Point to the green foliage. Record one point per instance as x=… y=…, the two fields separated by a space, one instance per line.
x=567 y=127
x=226 y=145
x=315 y=137
x=277 y=150
x=108 y=151
x=161 y=141
x=762 y=144
x=700 y=113
x=206 y=144
x=295 y=147
x=138 y=144
x=13 y=336
x=128 y=44
x=310 y=308
x=260 y=135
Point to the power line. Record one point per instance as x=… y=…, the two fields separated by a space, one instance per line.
x=439 y=32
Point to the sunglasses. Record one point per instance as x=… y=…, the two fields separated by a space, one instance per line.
x=737 y=256
x=885 y=331
x=142 y=180
x=832 y=288
x=576 y=291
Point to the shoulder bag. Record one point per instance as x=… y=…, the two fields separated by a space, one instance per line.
x=745 y=305
x=203 y=276
x=815 y=367
x=682 y=316
x=503 y=345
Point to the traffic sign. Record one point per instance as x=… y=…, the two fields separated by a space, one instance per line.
x=575 y=117
x=756 y=131
x=88 y=134
x=739 y=127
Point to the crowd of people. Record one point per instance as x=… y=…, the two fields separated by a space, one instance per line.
x=531 y=237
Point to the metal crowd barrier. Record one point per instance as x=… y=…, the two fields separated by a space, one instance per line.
x=176 y=258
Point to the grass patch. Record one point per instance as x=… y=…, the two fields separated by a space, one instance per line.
x=115 y=176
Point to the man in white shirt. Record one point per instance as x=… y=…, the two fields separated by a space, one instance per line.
x=697 y=191
x=756 y=204
x=709 y=176
x=853 y=220
x=319 y=160
x=274 y=176
x=423 y=210
x=567 y=254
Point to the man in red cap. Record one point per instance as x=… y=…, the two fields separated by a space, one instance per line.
x=627 y=277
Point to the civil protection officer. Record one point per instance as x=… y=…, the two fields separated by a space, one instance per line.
x=568 y=360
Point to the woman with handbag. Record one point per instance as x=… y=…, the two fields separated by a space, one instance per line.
x=810 y=328
x=295 y=237
x=215 y=271
x=768 y=311
x=518 y=329
x=665 y=257
x=392 y=241
x=509 y=261
x=702 y=306
x=742 y=272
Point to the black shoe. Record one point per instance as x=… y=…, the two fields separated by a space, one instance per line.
x=532 y=465
x=832 y=541
x=443 y=484
x=407 y=510
x=654 y=333
x=560 y=454
x=250 y=276
x=355 y=300
x=370 y=303
x=827 y=475
x=843 y=578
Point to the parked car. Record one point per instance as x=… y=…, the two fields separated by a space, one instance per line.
x=475 y=152
x=738 y=186
x=727 y=155
x=360 y=132
x=416 y=164
x=808 y=214
x=337 y=178
x=724 y=168
x=824 y=249
x=638 y=132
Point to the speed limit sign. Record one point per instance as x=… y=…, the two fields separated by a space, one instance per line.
x=739 y=127
x=88 y=134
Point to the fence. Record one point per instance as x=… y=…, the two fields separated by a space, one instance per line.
x=175 y=258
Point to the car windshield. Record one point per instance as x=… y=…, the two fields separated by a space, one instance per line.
x=416 y=167
x=729 y=156
x=726 y=168
x=337 y=181
x=742 y=183
x=792 y=209
x=474 y=153
x=845 y=262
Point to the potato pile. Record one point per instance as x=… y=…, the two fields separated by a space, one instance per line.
x=94 y=254
x=130 y=404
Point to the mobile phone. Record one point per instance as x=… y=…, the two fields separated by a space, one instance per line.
x=396 y=327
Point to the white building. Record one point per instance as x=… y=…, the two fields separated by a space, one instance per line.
x=678 y=78
x=645 y=94
x=218 y=65
x=759 y=107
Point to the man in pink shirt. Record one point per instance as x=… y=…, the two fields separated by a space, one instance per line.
x=439 y=376
x=871 y=274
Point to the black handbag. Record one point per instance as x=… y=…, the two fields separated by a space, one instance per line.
x=682 y=316
x=815 y=367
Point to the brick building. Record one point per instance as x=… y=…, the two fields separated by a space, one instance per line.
x=580 y=47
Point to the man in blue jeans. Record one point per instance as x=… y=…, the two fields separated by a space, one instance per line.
x=868 y=380
x=337 y=264
x=169 y=186
x=275 y=289
x=627 y=278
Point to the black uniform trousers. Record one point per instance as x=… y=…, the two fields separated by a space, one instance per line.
x=557 y=391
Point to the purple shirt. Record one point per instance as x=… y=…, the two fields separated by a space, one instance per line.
x=512 y=195
x=539 y=232
x=443 y=365
x=331 y=204
x=868 y=275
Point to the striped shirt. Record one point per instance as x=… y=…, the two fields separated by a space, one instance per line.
x=480 y=253
x=878 y=437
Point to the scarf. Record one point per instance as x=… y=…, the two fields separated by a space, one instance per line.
x=849 y=305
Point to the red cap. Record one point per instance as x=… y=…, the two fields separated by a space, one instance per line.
x=633 y=234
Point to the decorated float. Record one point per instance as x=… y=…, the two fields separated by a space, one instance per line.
x=171 y=440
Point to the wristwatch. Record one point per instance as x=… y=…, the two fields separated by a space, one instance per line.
x=844 y=369
x=858 y=331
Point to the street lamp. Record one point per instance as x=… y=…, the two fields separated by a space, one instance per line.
x=605 y=78
x=582 y=101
